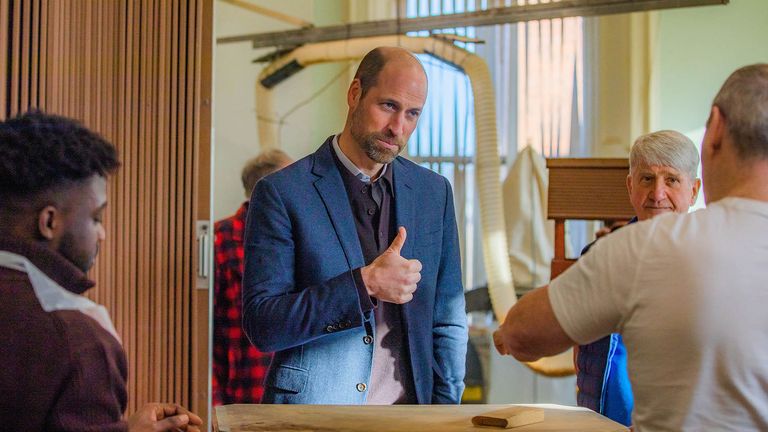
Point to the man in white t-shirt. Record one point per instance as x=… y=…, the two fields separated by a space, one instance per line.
x=687 y=292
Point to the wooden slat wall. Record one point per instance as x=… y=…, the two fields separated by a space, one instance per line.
x=139 y=73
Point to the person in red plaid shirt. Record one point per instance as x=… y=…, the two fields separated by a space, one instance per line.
x=238 y=367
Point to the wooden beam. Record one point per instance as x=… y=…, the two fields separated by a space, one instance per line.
x=298 y=22
x=505 y=15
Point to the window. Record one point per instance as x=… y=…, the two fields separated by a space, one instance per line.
x=538 y=72
x=445 y=138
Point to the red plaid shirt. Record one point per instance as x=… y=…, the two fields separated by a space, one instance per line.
x=239 y=368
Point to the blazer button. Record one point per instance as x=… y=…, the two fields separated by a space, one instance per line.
x=361 y=387
x=367 y=340
x=329 y=329
x=371 y=211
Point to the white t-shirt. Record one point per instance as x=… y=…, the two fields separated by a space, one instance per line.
x=689 y=294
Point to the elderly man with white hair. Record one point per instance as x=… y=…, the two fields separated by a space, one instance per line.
x=687 y=292
x=662 y=179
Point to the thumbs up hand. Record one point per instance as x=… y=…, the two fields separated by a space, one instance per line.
x=390 y=277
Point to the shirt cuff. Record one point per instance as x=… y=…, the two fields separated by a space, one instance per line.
x=367 y=303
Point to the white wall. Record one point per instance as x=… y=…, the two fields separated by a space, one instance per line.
x=679 y=58
x=698 y=49
x=235 y=74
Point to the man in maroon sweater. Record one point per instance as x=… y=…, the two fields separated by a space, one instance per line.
x=62 y=366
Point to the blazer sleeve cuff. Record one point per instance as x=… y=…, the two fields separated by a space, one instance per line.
x=367 y=303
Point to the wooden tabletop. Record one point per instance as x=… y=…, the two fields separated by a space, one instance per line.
x=397 y=418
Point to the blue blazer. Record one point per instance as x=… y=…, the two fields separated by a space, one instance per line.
x=300 y=298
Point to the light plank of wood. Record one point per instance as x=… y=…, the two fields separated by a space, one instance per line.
x=398 y=418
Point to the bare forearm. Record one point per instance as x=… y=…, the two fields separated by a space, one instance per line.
x=531 y=330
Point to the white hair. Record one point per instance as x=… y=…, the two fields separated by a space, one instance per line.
x=665 y=148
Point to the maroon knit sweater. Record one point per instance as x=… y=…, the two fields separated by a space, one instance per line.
x=59 y=370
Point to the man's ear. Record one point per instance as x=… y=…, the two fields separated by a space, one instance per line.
x=629 y=184
x=49 y=222
x=713 y=136
x=354 y=92
x=696 y=189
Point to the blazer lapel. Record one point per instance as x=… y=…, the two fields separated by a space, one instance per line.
x=405 y=202
x=331 y=189
x=405 y=214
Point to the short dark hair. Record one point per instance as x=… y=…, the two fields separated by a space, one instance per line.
x=743 y=100
x=39 y=152
x=261 y=166
x=368 y=71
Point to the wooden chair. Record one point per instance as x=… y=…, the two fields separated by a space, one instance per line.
x=582 y=189
x=585 y=189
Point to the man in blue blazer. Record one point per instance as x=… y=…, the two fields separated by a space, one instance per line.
x=352 y=269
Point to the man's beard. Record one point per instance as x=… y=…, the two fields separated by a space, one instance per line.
x=82 y=259
x=372 y=148
x=376 y=151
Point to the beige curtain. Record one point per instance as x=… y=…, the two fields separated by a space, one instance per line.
x=530 y=235
x=550 y=72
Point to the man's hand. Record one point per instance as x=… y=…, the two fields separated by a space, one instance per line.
x=390 y=277
x=531 y=330
x=498 y=342
x=160 y=417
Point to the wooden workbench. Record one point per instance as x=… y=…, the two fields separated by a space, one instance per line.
x=397 y=418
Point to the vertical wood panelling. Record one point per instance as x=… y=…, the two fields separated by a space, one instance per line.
x=160 y=188
x=14 y=73
x=4 y=73
x=34 y=52
x=42 y=52
x=184 y=159
x=200 y=301
x=174 y=214
x=25 y=60
x=133 y=70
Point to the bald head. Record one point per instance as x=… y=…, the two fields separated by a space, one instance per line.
x=734 y=151
x=743 y=100
x=373 y=63
x=385 y=101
